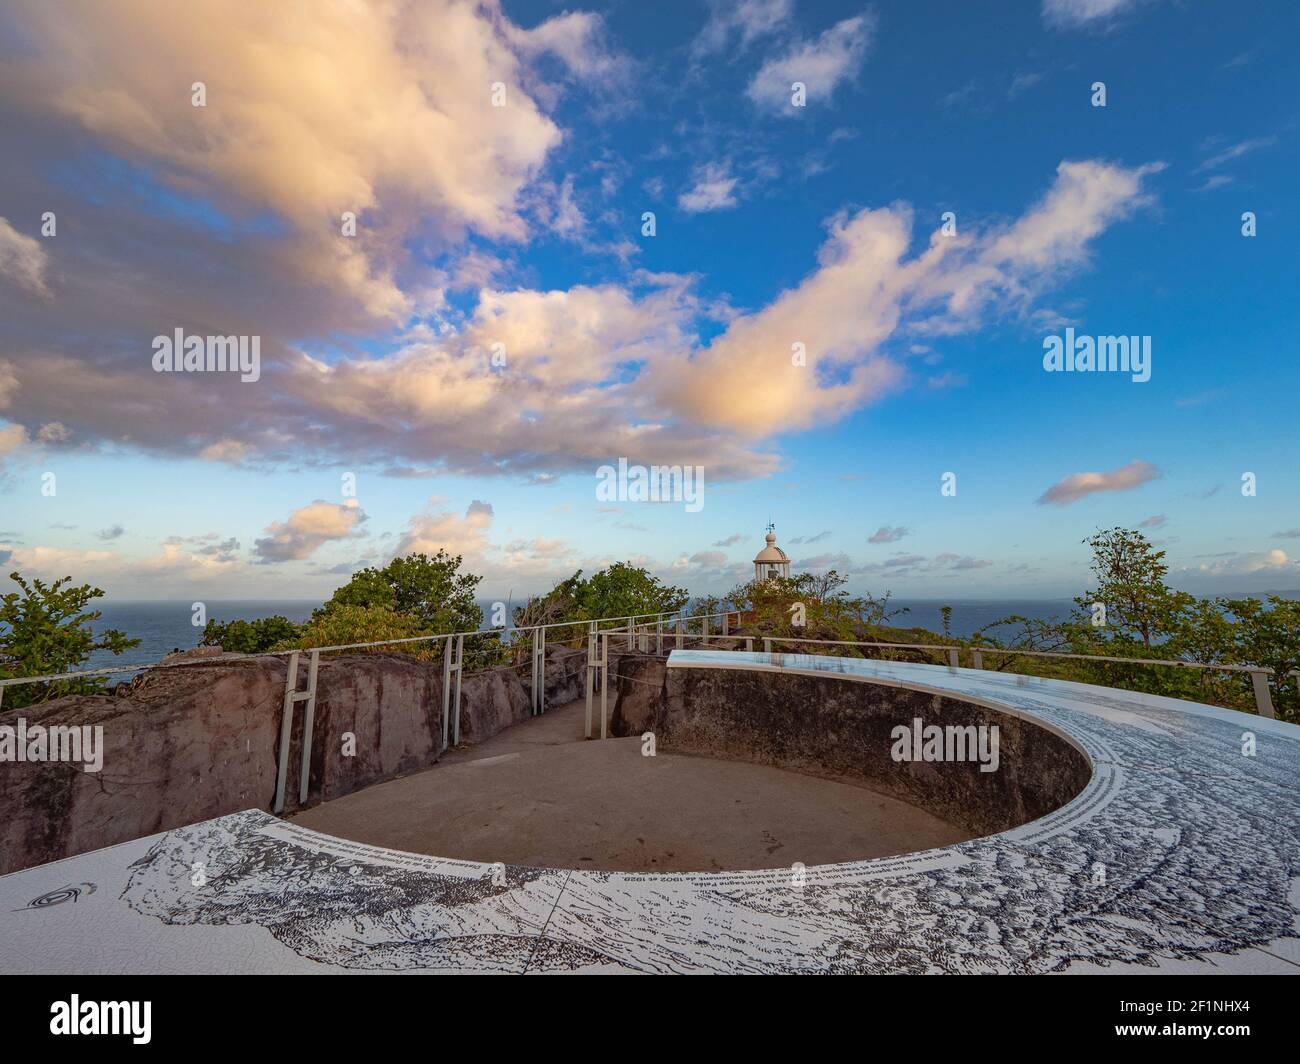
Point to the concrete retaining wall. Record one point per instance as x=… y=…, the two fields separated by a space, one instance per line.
x=840 y=729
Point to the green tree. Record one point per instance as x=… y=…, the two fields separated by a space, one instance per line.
x=46 y=629
x=621 y=590
x=432 y=589
x=248 y=637
x=627 y=590
x=1130 y=582
x=347 y=624
x=1268 y=635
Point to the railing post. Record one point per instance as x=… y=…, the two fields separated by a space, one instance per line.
x=629 y=633
x=1263 y=700
x=591 y=674
x=681 y=632
x=460 y=663
x=539 y=670
x=767 y=645
x=976 y=659
x=749 y=644
x=604 y=683
x=704 y=630
x=659 y=635
x=446 y=688
x=643 y=639
x=286 y=730
x=726 y=625
x=953 y=660
x=309 y=719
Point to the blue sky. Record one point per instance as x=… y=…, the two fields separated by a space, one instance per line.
x=522 y=224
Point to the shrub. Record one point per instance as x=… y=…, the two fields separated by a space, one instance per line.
x=249 y=637
x=346 y=624
x=45 y=629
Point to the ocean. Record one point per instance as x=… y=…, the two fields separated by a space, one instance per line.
x=163 y=627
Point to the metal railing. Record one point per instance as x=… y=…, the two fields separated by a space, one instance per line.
x=639 y=635
x=453 y=659
x=1260 y=677
x=638 y=638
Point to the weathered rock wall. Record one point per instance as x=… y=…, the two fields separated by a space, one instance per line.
x=185 y=744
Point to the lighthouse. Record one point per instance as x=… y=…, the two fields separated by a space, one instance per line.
x=771 y=561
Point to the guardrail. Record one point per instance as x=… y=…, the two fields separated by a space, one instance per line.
x=638 y=637
x=453 y=657
x=1259 y=676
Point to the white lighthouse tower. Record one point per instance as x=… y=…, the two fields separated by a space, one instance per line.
x=771 y=561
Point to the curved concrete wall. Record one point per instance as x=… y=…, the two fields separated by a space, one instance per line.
x=841 y=728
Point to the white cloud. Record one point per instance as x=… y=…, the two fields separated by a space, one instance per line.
x=579 y=40
x=885 y=534
x=821 y=65
x=1075 y=13
x=596 y=372
x=1080 y=485
x=11 y=438
x=22 y=260
x=233 y=451
x=308 y=529
x=383 y=109
x=1235 y=151
x=428 y=533
x=741 y=20
x=865 y=290
x=713 y=190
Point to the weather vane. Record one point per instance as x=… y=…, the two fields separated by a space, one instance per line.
x=770 y=526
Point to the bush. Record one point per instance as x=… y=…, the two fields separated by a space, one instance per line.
x=430 y=590
x=249 y=637
x=342 y=625
x=45 y=630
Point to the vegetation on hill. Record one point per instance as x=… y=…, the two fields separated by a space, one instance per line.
x=1129 y=611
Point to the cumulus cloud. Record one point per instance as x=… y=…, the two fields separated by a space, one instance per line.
x=1080 y=485
x=307 y=530
x=865 y=290
x=383 y=109
x=713 y=190
x=731 y=540
x=430 y=532
x=821 y=65
x=1275 y=563
x=22 y=260
x=115 y=532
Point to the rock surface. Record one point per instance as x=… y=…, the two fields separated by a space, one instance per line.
x=186 y=744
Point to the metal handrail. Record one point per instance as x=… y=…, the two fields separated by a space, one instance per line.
x=116 y=669
x=1258 y=674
